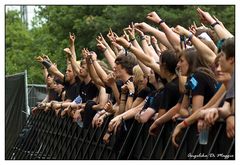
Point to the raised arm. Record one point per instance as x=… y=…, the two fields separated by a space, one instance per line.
x=145 y=59
x=92 y=72
x=161 y=37
x=50 y=67
x=106 y=51
x=131 y=32
x=221 y=31
x=75 y=65
x=172 y=37
x=203 y=49
x=71 y=44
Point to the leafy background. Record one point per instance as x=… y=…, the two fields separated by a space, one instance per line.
x=52 y=24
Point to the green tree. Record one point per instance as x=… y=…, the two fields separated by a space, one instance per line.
x=52 y=25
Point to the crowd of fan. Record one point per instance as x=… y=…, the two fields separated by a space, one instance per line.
x=160 y=76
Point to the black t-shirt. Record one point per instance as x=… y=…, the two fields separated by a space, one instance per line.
x=52 y=95
x=149 y=99
x=204 y=86
x=143 y=93
x=156 y=100
x=109 y=90
x=167 y=97
x=71 y=89
x=88 y=91
x=171 y=94
x=230 y=94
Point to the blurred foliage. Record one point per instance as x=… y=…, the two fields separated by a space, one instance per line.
x=52 y=24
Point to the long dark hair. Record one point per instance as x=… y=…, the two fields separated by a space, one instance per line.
x=196 y=63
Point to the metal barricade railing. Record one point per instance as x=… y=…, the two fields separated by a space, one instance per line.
x=52 y=137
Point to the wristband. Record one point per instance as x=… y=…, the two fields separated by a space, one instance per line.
x=190 y=37
x=160 y=22
x=132 y=39
x=129 y=47
x=105 y=115
x=185 y=123
x=214 y=24
x=46 y=64
x=232 y=114
x=142 y=38
x=104 y=50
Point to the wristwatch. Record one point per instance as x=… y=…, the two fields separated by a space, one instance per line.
x=131 y=94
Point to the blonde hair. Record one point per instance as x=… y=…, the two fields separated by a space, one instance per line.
x=137 y=72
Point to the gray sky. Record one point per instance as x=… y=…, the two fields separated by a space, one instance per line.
x=30 y=11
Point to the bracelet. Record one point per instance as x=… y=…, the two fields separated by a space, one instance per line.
x=142 y=38
x=131 y=94
x=149 y=44
x=132 y=39
x=185 y=123
x=105 y=115
x=190 y=37
x=232 y=114
x=110 y=133
x=214 y=24
x=160 y=22
x=129 y=47
x=123 y=100
x=104 y=50
x=46 y=64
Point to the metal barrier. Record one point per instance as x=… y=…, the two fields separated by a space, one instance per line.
x=36 y=93
x=46 y=136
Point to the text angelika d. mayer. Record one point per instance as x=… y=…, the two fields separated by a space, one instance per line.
x=211 y=155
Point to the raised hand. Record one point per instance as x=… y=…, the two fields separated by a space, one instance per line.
x=122 y=41
x=144 y=27
x=45 y=57
x=153 y=17
x=131 y=31
x=100 y=44
x=68 y=52
x=39 y=59
x=85 y=52
x=205 y=17
x=181 y=30
x=71 y=38
x=111 y=35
